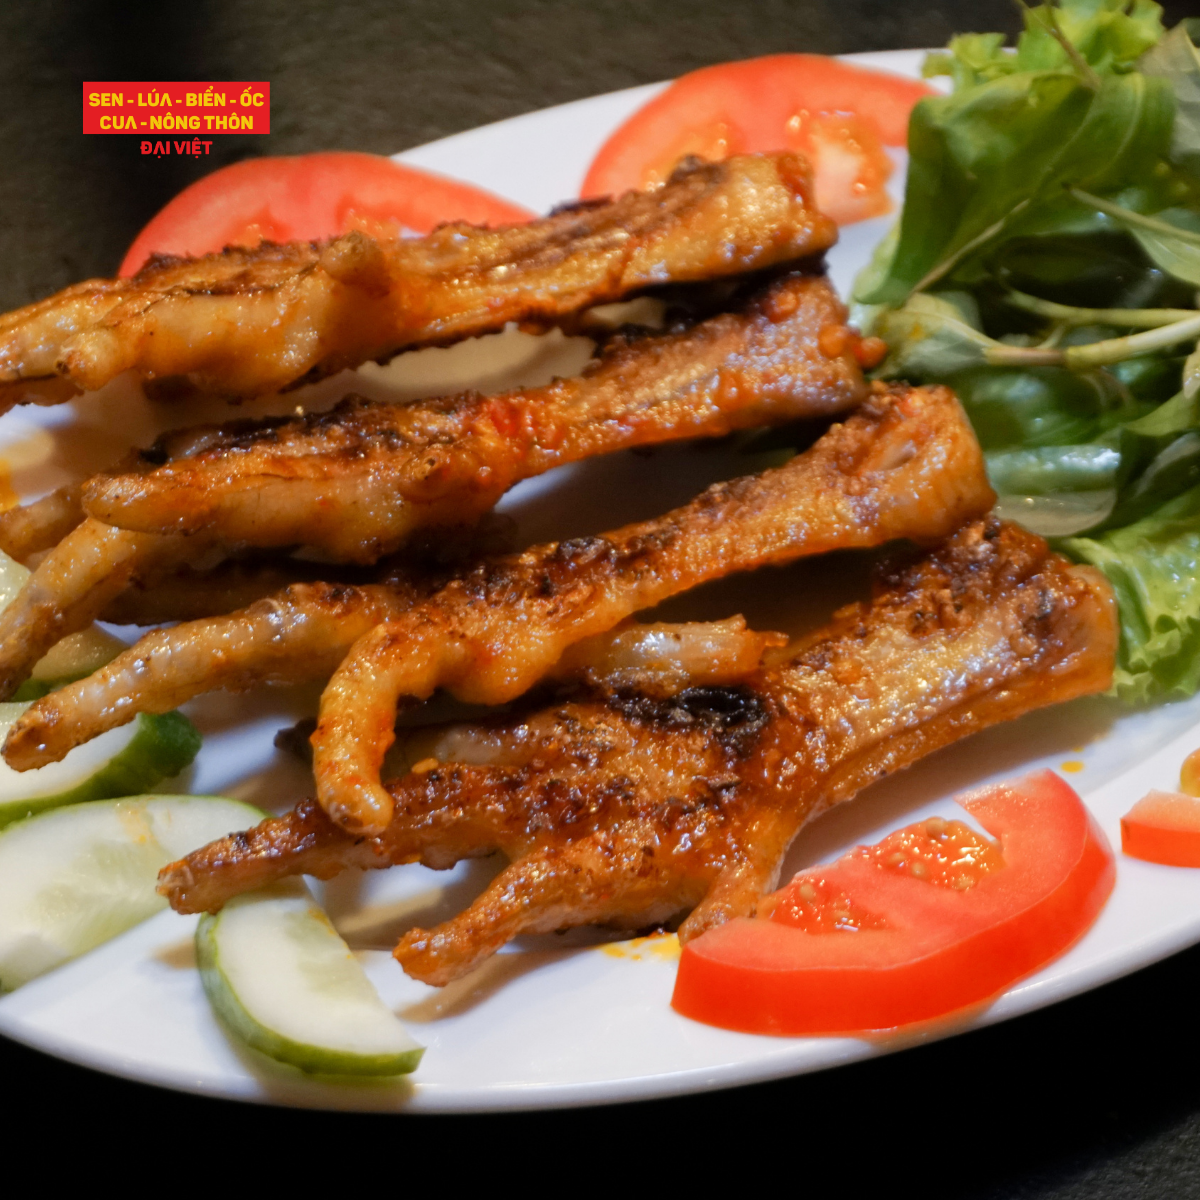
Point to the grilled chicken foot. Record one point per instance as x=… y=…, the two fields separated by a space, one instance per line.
x=86 y=571
x=296 y=635
x=359 y=481
x=355 y=483
x=73 y=585
x=249 y=322
x=905 y=465
x=31 y=528
x=627 y=809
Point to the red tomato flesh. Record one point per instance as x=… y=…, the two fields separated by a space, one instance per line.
x=1163 y=827
x=930 y=920
x=839 y=116
x=310 y=197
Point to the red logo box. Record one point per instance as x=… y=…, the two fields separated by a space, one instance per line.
x=163 y=110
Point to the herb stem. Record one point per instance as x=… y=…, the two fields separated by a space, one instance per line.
x=1001 y=355
x=1137 y=318
x=1101 y=354
x=1048 y=18
x=1056 y=335
x=1097 y=354
x=1150 y=224
x=948 y=264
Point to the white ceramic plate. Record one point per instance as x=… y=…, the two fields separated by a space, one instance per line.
x=568 y=1020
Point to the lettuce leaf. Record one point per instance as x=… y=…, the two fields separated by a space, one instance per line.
x=1048 y=469
x=1154 y=568
x=1175 y=59
x=1055 y=190
x=1067 y=109
x=992 y=158
x=1109 y=35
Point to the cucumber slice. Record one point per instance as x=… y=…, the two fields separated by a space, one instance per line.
x=73 y=878
x=121 y=762
x=12 y=578
x=75 y=657
x=281 y=978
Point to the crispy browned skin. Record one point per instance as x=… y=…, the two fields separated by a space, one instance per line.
x=655 y=659
x=356 y=482
x=73 y=585
x=247 y=322
x=905 y=465
x=627 y=810
x=191 y=595
x=359 y=481
x=30 y=528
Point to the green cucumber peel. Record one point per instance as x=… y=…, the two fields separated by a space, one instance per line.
x=162 y=745
x=326 y=975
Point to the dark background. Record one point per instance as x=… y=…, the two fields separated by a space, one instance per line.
x=1097 y=1098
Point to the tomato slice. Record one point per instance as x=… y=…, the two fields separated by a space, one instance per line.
x=898 y=933
x=839 y=115
x=310 y=197
x=1163 y=827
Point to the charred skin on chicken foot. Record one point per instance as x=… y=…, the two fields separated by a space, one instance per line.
x=355 y=483
x=905 y=465
x=250 y=322
x=619 y=808
x=88 y=565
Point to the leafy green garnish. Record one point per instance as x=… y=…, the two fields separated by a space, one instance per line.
x=1045 y=266
x=1171 y=238
x=1106 y=34
x=1154 y=567
x=1175 y=59
x=992 y=161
